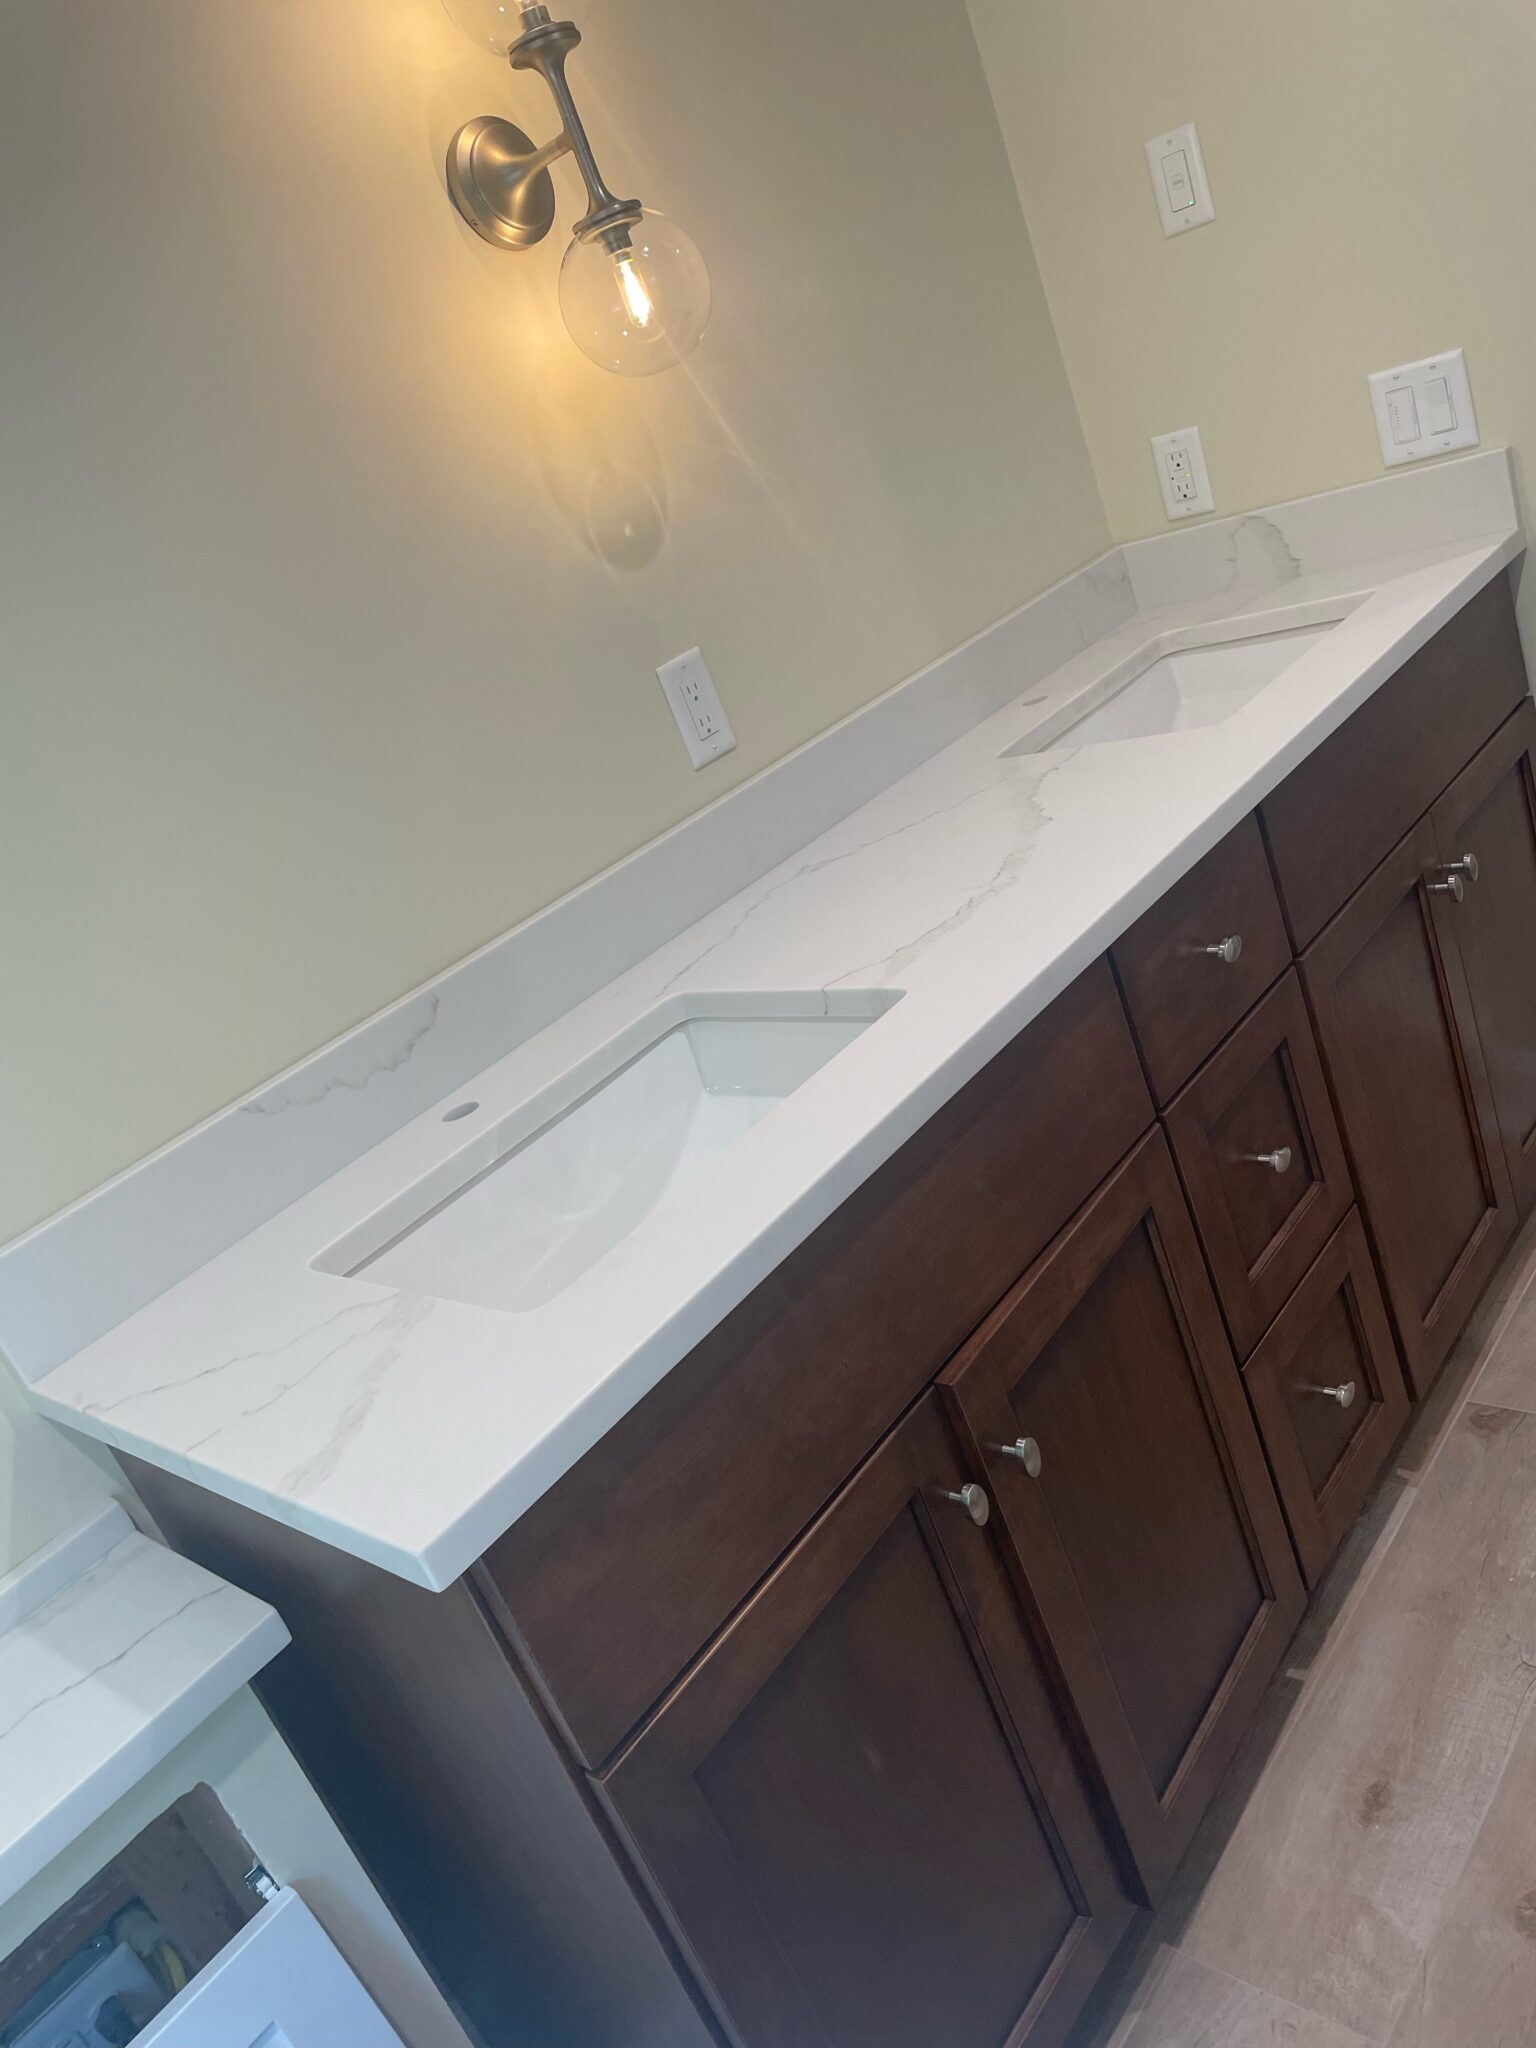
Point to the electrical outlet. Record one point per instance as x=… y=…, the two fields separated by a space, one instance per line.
x=695 y=703
x=1181 y=471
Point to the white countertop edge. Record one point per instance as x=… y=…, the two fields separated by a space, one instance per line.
x=46 y=1801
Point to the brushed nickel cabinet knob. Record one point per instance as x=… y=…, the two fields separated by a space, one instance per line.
x=1344 y=1395
x=1229 y=951
x=1453 y=886
x=973 y=1499
x=1278 y=1161
x=1023 y=1451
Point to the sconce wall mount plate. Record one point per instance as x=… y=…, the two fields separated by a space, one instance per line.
x=493 y=186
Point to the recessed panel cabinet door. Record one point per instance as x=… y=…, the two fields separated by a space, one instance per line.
x=1103 y=1404
x=1395 y=1022
x=859 y=1813
x=1485 y=826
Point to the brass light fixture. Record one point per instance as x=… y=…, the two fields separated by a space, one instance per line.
x=633 y=288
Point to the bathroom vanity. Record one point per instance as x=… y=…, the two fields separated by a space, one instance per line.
x=864 y=1680
x=792 y=1406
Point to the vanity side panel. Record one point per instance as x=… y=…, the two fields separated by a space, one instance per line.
x=411 y=1721
x=616 y=1578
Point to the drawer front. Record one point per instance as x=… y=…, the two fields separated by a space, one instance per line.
x=1259 y=1149
x=1350 y=802
x=1329 y=1395
x=614 y=1580
x=1201 y=957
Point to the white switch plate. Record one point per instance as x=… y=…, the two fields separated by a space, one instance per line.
x=1182 y=473
x=1178 y=178
x=695 y=702
x=1424 y=408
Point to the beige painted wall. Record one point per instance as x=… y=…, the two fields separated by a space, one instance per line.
x=1374 y=166
x=332 y=578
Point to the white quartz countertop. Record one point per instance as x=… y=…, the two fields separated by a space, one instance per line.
x=112 y=1650
x=412 y=1430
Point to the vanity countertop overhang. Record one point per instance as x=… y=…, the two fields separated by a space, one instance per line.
x=412 y=1430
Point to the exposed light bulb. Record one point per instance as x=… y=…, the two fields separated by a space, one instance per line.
x=635 y=300
x=632 y=285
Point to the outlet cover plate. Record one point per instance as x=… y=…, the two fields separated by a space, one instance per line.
x=1181 y=471
x=695 y=704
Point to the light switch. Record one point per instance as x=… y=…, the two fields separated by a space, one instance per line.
x=1178 y=179
x=1181 y=186
x=1424 y=408
x=1403 y=413
x=1439 y=406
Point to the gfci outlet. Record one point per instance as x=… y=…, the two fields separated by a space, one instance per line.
x=1181 y=471
x=690 y=691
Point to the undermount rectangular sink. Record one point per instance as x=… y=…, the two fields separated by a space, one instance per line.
x=1180 y=682
x=519 y=1214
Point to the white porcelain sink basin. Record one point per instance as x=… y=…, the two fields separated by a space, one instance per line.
x=520 y=1212
x=1179 y=682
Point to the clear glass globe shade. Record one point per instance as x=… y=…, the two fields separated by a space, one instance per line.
x=493 y=24
x=640 y=308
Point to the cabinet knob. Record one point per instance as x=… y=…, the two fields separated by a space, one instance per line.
x=1467 y=866
x=973 y=1499
x=1345 y=1395
x=1228 y=951
x=1023 y=1451
x=1453 y=886
x=1278 y=1161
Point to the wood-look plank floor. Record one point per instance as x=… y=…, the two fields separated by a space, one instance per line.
x=1367 y=1878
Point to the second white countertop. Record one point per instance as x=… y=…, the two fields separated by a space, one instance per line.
x=413 y=1430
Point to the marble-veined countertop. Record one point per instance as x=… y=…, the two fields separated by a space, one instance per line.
x=412 y=1430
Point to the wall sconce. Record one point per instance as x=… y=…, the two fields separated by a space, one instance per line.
x=633 y=288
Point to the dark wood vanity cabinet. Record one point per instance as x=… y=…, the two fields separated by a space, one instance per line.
x=860 y=1812
x=749 y=1730
x=1102 y=1401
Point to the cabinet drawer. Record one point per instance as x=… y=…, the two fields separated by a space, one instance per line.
x=1259 y=1149
x=1183 y=993
x=1329 y=1396
x=1350 y=802
x=618 y=1576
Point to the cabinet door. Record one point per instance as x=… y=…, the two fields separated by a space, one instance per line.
x=859 y=1813
x=1486 y=824
x=1141 y=1522
x=1389 y=996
